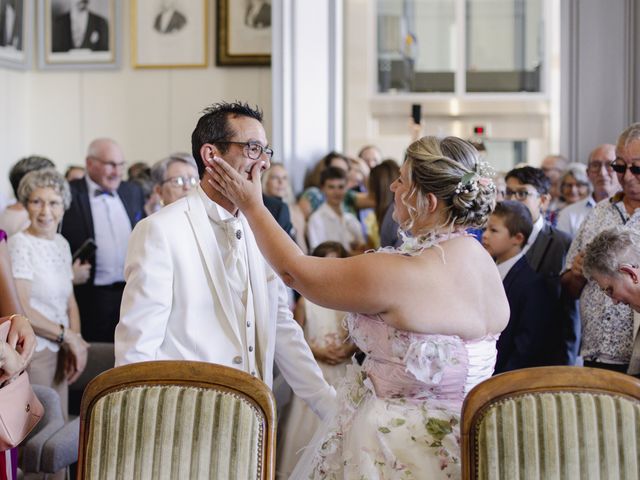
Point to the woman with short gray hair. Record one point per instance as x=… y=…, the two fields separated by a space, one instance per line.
x=612 y=260
x=15 y=218
x=574 y=184
x=41 y=266
x=174 y=177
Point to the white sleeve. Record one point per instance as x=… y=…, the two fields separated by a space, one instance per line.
x=354 y=226
x=295 y=360
x=316 y=233
x=147 y=299
x=21 y=254
x=564 y=222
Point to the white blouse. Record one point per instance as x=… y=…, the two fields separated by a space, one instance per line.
x=47 y=265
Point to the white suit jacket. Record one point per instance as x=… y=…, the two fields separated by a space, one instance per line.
x=177 y=304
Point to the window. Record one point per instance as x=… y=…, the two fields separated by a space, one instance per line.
x=421 y=43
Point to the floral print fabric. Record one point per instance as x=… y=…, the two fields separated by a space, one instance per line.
x=399 y=412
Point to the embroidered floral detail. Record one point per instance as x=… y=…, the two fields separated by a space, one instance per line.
x=426 y=360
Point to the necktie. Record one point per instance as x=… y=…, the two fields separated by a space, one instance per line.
x=103 y=192
x=233 y=231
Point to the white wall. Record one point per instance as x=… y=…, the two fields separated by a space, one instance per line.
x=149 y=112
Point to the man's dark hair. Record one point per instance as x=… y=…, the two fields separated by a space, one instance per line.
x=213 y=126
x=516 y=217
x=24 y=166
x=325 y=248
x=531 y=176
x=332 y=173
x=328 y=158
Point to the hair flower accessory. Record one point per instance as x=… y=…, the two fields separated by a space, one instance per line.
x=482 y=175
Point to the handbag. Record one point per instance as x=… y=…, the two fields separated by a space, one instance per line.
x=20 y=409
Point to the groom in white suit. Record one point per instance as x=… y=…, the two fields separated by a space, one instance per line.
x=197 y=287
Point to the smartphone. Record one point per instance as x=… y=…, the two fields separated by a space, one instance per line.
x=86 y=251
x=416 y=113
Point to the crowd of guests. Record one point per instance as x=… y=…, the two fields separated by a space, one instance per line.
x=552 y=281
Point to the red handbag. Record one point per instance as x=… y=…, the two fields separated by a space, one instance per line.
x=20 y=409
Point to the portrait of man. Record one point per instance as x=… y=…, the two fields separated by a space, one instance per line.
x=79 y=28
x=258 y=14
x=11 y=23
x=169 y=19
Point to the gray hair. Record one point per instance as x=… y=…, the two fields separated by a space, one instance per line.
x=579 y=172
x=437 y=166
x=159 y=169
x=44 y=178
x=610 y=249
x=630 y=134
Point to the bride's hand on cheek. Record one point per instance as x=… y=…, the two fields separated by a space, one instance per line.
x=243 y=192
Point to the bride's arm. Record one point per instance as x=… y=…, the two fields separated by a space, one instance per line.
x=359 y=284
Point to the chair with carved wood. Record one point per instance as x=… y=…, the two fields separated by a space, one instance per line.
x=176 y=419
x=552 y=423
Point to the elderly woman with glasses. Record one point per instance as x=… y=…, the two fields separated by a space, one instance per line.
x=174 y=176
x=41 y=266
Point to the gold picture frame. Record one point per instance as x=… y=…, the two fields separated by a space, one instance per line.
x=243 y=33
x=173 y=37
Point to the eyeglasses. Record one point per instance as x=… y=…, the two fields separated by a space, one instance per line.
x=254 y=150
x=595 y=167
x=181 y=182
x=39 y=203
x=619 y=166
x=108 y=163
x=519 y=194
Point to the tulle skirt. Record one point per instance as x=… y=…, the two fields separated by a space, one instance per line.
x=383 y=438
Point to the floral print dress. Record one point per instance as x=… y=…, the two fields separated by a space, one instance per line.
x=399 y=413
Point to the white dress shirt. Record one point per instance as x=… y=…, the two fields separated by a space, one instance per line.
x=9 y=22
x=326 y=225
x=537 y=227
x=230 y=238
x=111 y=227
x=79 y=22
x=571 y=217
x=507 y=265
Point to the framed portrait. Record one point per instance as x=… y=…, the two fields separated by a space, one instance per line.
x=16 y=32
x=79 y=34
x=169 y=33
x=244 y=32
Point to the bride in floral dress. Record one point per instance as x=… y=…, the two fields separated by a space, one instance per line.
x=429 y=316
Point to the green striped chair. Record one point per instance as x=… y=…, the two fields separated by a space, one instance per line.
x=552 y=423
x=176 y=419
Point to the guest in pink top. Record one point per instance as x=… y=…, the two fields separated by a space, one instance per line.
x=429 y=314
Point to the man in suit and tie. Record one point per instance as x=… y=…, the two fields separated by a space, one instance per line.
x=546 y=249
x=103 y=208
x=11 y=24
x=79 y=28
x=198 y=288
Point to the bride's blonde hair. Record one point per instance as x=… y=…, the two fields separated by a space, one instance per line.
x=450 y=169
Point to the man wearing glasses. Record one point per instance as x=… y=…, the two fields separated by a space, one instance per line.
x=605 y=183
x=105 y=209
x=198 y=288
x=545 y=252
x=607 y=328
